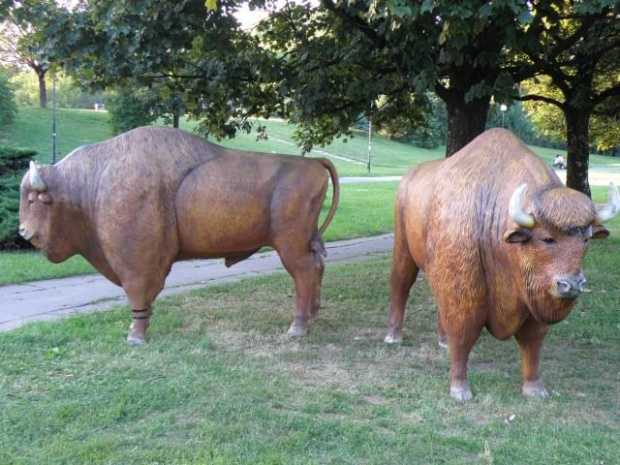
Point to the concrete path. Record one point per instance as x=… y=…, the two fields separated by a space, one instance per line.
x=54 y=298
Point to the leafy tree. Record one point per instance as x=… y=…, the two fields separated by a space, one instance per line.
x=322 y=66
x=605 y=131
x=21 y=41
x=8 y=108
x=185 y=48
x=579 y=52
x=515 y=119
x=339 y=56
x=68 y=93
x=130 y=108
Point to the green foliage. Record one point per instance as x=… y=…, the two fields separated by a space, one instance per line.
x=188 y=49
x=8 y=107
x=130 y=108
x=13 y=163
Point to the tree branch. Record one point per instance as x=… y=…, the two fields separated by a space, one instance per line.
x=540 y=98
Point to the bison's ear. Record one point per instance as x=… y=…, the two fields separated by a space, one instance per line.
x=599 y=231
x=518 y=236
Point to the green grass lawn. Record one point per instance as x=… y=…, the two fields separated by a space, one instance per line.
x=33 y=129
x=221 y=383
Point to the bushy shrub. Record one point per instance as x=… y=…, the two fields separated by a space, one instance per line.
x=13 y=164
x=8 y=108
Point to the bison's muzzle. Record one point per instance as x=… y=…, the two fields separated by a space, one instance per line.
x=570 y=287
x=25 y=232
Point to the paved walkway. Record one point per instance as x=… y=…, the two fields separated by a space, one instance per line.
x=54 y=298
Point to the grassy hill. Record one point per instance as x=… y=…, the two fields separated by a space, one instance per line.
x=33 y=129
x=75 y=128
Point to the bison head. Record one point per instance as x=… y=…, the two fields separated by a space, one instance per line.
x=40 y=219
x=553 y=235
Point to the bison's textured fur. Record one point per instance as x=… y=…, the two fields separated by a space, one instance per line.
x=139 y=202
x=452 y=221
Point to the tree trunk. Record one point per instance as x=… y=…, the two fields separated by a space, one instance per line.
x=465 y=120
x=578 y=139
x=42 y=89
x=175 y=120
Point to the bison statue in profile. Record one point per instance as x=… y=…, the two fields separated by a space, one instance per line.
x=137 y=203
x=501 y=241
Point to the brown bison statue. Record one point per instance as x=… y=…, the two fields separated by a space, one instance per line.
x=137 y=203
x=501 y=241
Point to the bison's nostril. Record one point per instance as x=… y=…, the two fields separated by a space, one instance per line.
x=563 y=286
x=582 y=285
x=569 y=288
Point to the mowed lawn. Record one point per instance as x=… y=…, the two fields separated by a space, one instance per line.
x=221 y=383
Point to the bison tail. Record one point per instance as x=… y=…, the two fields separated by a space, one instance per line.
x=317 y=245
x=333 y=174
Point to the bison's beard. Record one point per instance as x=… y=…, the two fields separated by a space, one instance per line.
x=547 y=308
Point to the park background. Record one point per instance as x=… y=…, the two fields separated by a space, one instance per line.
x=221 y=383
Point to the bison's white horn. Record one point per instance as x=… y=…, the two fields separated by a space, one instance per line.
x=35 y=178
x=515 y=209
x=611 y=208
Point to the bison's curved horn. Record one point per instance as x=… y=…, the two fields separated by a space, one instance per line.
x=35 y=178
x=515 y=209
x=611 y=208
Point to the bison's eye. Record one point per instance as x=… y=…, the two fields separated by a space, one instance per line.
x=549 y=240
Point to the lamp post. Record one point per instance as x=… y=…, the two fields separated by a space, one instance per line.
x=54 y=118
x=503 y=109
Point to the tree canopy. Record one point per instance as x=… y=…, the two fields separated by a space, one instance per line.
x=323 y=65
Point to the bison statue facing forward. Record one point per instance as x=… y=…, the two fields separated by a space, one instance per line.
x=137 y=203
x=501 y=241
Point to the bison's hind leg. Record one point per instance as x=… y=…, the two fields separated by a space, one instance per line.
x=404 y=273
x=315 y=299
x=306 y=268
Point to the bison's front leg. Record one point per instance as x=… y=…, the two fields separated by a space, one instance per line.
x=460 y=343
x=139 y=325
x=141 y=294
x=530 y=338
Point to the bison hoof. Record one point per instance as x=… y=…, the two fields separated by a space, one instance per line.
x=461 y=393
x=442 y=342
x=393 y=339
x=534 y=390
x=135 y=340
x=134 y=337
x=297 y=330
